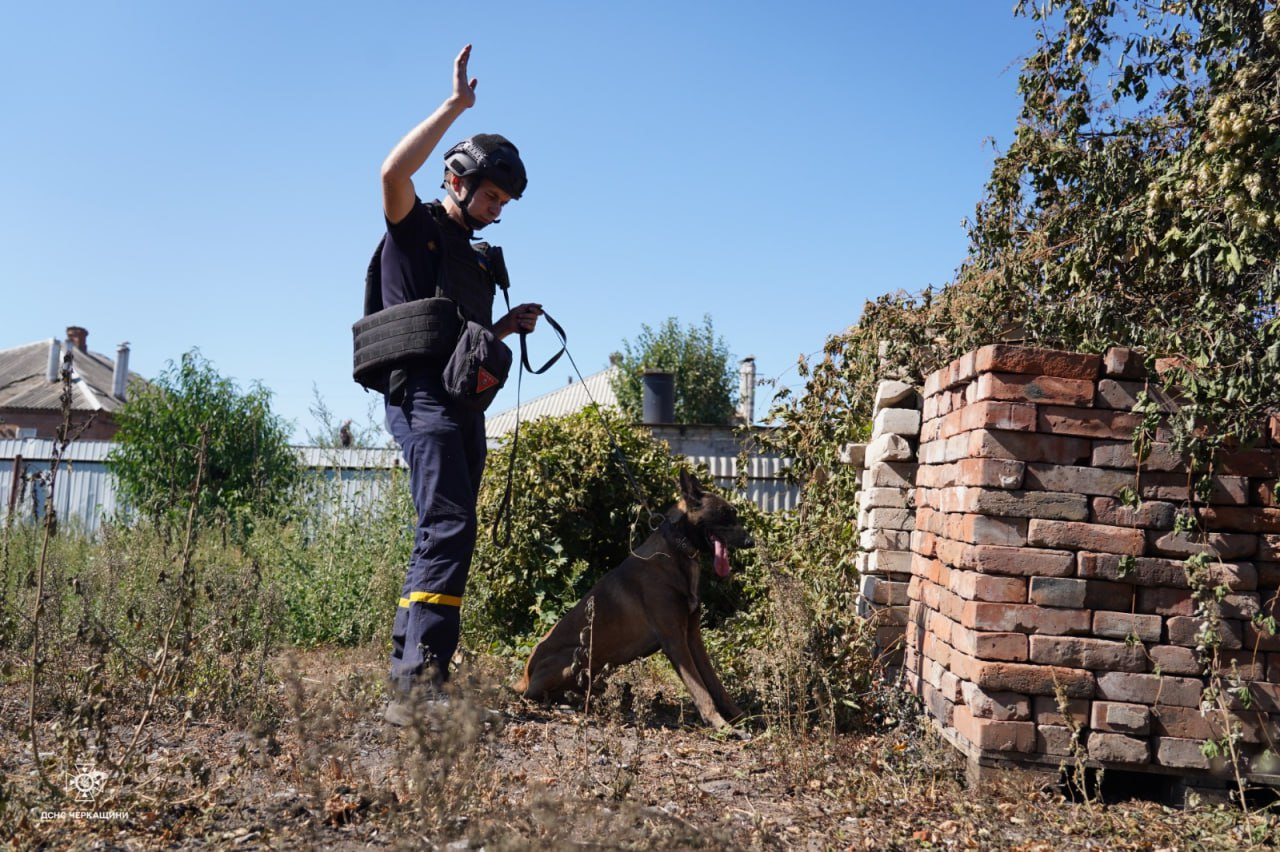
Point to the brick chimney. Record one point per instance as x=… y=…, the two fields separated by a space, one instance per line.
x=78 y=337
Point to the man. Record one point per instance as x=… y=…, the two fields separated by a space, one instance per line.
x=427 y=253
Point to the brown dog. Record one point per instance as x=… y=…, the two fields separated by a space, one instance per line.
x=648 y=603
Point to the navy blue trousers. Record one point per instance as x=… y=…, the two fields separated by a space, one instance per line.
x=444 y=448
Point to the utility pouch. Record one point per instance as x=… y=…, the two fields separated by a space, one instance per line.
x=478 y=367
x=419 y=331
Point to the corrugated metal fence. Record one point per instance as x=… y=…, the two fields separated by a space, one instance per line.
x=85 y=491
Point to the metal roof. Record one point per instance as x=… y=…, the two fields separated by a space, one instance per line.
x=597 y=387
x=24 y=379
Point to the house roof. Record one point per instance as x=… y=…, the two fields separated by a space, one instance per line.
x=24 y=379
x=597 y=387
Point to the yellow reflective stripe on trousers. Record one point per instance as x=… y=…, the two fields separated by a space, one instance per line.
x=432 y=598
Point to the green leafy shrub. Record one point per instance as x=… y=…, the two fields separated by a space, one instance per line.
x=573 y=517
x=191 y=426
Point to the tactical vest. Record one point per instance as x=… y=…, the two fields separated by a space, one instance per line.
x=425 y=331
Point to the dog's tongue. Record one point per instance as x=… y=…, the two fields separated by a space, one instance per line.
x=722 y=557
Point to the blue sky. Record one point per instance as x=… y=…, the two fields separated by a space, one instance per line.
x=205 y=174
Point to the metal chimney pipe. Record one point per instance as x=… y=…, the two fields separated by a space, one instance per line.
x=55 y=356
x=747 y=390
x=659 y=400
x=120 y=377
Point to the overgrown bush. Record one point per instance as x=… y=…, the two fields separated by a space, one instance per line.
x=573 y=516
x=191 y=441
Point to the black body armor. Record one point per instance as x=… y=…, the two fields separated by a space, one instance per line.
x=424 y=332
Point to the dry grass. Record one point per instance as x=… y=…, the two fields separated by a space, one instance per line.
x=638 y=772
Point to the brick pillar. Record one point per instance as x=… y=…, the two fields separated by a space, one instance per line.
x=1041 y=604
x=886 y=516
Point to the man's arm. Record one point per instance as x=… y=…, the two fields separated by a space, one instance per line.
x=412 y=151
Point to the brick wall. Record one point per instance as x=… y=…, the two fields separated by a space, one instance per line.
x=1037 y=596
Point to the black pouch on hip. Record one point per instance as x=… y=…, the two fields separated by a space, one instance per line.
x=478 y=367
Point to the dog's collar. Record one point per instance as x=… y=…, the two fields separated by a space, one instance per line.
x=678 y=539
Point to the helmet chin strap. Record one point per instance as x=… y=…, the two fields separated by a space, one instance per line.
x=472 y=222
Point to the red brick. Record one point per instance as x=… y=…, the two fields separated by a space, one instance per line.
x=1010 y=647
x=1098 y=538
x=1263 y=698
x=979 y=529
x=1116 y=597
x=1121 y=625
x=1017 y=561
x=1242 y=605
x=1005 y=358
x=1000 y=706
x=1164 y=601
x=1149 y=514
x=1123 y=363
x=1016 y=504
x=1167 y=573
x=930 y=520
x=1269 y=548
x=1087 y=653
x=1170 y=659
x=985 y=587
x=1181 y=723
x=1185 y=630
x=1054 y=740
x=1254 y=519
x=1013 y=387
x=1027 y=447
x=1062 y=592
x=1262 y=640
x=1086 y=422
x=990 y=735
x=1120 y=396
x=1245 y=664
x=1007 y=647
x=1015 y=416
x=1160 y=457
x=1180 y=753
x=1118 y=748
x=1118 y=718
x=1033 y=680
x=1255 y=463
x=1156 y=690
x=937 y=650
x=1219 y=545
x=1226 y=490
x=1047 y=710
x=1077 y=479
x=989 y=473
x=1263 y=493
x=1021 y=618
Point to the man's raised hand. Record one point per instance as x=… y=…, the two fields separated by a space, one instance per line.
x=464 y=89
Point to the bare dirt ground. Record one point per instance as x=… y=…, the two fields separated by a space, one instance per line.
x=634 y=770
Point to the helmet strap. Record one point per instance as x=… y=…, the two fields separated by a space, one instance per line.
x=464 y=202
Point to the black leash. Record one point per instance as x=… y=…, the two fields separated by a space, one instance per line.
x=504 y=507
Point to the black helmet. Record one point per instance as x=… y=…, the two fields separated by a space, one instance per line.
x=490 y=156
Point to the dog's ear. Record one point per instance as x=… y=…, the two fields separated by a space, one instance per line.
x=690 y=488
